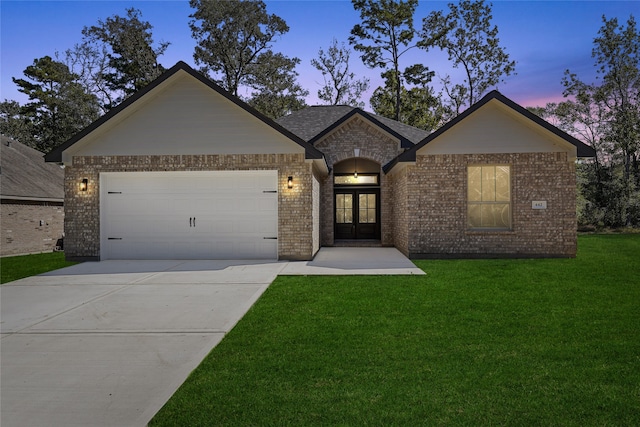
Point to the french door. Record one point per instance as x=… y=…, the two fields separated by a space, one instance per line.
x=357 y=214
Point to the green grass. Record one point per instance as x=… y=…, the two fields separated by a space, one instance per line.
x=18 y=267
x=551 y=342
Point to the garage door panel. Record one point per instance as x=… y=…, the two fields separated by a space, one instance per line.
x=220 y=249
x=119 y=229
x=150 y=215
x=225 y=204
x=268 y=228
x=268 y=205
x=204 y=206
x=259 y=227
x=221 y=226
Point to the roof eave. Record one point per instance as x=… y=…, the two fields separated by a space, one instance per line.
x=583 y=150
x=56 y=154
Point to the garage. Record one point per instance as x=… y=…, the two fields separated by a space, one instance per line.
x=189 y=215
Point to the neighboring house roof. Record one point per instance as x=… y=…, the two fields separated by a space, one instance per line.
x=312 y=123
x=56 y=154
x=583 y=150
x=26 y=176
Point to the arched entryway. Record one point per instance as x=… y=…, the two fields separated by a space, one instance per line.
x=356 y=188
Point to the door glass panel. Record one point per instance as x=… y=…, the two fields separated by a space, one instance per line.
x=348 y=216
x=344 y=211
x=371 y=207
x=367 y=211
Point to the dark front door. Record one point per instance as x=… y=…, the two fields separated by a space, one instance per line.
x=357 y=214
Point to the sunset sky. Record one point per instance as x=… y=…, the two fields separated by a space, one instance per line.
x=544 y=37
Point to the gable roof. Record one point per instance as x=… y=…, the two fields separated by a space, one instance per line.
x=583 y=150
x=26 y=176
x=310 y=121
x=313 y=123
x=56 y=154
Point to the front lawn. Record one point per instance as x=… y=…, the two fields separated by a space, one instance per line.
x=18 y=267
x=474 y=342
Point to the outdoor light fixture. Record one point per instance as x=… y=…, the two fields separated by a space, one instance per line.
x=355 y=169
x=84 y=184
x=290 y=182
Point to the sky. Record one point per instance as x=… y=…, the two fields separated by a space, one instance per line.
x=544 y=38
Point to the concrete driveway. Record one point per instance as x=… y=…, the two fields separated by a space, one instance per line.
x=107 y=344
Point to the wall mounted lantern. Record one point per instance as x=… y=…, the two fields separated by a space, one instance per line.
x=290 y=182
x=84 y=184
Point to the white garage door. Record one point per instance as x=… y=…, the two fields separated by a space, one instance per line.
x=189 y=215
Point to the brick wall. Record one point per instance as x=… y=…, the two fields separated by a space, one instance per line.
x=295 y=223
x=315 y=185
x=400 y=215
x=374 y=145
x=29 y=227
x=437 y=203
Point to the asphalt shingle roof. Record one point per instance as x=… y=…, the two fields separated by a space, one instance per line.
x=24 y=173
x=311 y=121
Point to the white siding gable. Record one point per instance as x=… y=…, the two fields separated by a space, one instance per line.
x=495 y=128
x=182 y=116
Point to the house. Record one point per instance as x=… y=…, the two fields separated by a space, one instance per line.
x=184 y=170
x=31 y=196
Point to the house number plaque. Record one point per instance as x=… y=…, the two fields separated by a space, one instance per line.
x=539 y=204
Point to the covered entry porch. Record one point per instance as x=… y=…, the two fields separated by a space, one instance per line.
x=357 y=203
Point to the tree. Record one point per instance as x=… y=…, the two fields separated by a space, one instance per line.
x=419 y=106
x=58 y=108
x=607 y=115
x=467 y=36
x=383 y=37
x=231 y=35
x=616 y=52
x=15 y=124
x=235 y=49
x=340 y=85
x=586 y=120
x=90 y=62
x=276 y=91
x=132 y=59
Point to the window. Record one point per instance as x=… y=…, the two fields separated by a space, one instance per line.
x=360 y=179
x=489 y=197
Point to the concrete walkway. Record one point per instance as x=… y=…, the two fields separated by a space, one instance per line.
x=353 y=261
x=108 y=343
